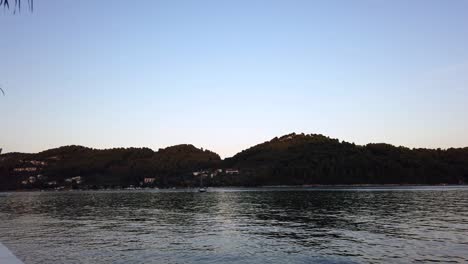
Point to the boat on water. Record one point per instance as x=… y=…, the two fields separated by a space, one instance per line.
x=201 y=189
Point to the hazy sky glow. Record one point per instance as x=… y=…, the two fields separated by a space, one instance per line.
x=225 y=75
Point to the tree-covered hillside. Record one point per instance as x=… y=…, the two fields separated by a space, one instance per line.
x=294 y=159
x=109 y=168
x=298 y=159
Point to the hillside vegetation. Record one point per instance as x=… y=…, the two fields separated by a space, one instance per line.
x=298 y=159
x=106 y=168
x=294 y=159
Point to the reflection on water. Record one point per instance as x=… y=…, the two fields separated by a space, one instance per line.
x=238 y=226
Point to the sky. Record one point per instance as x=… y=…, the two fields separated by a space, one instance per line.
x=226 y=75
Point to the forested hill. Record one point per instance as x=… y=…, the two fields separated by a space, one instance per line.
x=105 y=168
x=299 y=159
x=294 y=159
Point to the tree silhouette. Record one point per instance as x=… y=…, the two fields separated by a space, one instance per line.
x=17 y=5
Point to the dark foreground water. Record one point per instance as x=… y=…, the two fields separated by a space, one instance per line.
x=397 y=225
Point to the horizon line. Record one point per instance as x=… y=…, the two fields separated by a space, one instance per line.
x=206 y=149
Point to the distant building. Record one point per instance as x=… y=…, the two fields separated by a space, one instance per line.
x=232 y=171
x=149 y=180
x=204 y=173
x=77 y=180
x=29 y=169
x=38 y=163
x=210 y=172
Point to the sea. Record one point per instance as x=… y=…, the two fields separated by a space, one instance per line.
x=423 y=224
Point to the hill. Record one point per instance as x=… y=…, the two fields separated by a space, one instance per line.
x=294 y=159
x=299 y=159
x=102 y=168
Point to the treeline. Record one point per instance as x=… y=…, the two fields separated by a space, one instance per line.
x=299 y=159
x=294 y=159
x=119 y=167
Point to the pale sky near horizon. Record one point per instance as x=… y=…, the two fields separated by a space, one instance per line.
x=225 y=75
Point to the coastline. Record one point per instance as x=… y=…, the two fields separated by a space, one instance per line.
x=279 y=187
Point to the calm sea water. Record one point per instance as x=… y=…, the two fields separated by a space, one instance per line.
x=396 y=225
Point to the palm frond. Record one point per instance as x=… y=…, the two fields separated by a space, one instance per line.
x=17 y=7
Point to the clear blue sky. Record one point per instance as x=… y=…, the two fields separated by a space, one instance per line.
x=225 y=75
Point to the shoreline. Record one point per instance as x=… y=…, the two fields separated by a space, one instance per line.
x=314 y=186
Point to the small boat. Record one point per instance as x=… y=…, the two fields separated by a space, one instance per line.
x=201 y=189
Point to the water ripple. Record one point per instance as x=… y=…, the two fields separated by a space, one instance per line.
x=238 y=226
